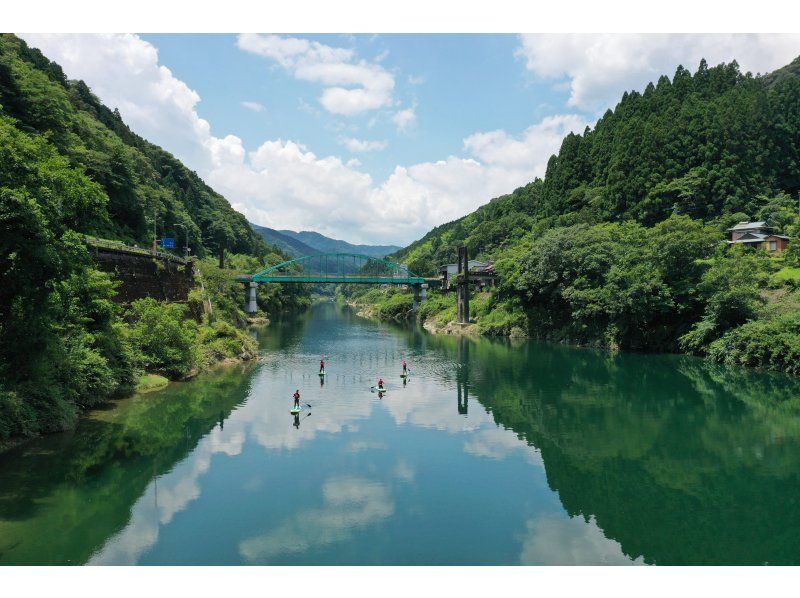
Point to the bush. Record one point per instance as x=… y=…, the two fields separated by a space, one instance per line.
x=165 y=341
x=221 y=341
x=396 y=307
x=772 y=344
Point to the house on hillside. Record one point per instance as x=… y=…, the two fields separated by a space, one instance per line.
x=758 y=235
x=482 y=273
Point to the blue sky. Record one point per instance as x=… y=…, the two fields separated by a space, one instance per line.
x=377 y=138
x=456 y=83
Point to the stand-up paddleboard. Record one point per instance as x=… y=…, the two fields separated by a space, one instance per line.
x=295 y=410
x=322 y=374
x=380 y=390
x=404 y=375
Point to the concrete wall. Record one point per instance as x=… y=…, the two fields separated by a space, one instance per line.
x=143 y=275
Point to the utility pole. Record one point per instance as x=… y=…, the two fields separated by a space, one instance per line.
x=185 y=239
x=155 y=235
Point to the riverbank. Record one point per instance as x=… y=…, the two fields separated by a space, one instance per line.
x=125 y=348
x=739 y=308
x=438 y=315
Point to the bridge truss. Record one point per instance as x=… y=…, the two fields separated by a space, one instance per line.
x=349 y=268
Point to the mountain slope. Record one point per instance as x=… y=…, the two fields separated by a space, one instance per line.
x=289 y=245
x=325 y=244
x=713 y=144
x=69 y=166
x=139 y=180
x=622 y=244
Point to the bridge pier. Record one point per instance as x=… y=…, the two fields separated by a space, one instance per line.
x=462 y=287
x=250 y=305
x=420 y=295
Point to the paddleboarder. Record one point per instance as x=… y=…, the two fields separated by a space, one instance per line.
x=296 y=396
x=322 y=366
x=405 y=367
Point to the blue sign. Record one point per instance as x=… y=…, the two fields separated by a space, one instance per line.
x=168 y=243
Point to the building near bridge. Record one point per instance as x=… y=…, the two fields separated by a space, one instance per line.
x=759 y=236
x=482 y=273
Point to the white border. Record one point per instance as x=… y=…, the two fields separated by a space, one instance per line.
x=396 y=582
x=407 y=16
x=425 y=16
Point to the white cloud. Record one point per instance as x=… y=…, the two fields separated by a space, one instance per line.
x=499 y=443
x=556 y=540
x=284 y=184
x=351 y=87
x=404 y=118
x=599 y=67
x=362 y=145
x=254 y=106
x=350 y=505
x=528 y=152
x=123 y=71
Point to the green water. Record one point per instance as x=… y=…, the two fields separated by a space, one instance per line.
x=492 y=453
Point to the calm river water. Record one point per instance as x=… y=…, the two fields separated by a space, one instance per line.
x=492 y=453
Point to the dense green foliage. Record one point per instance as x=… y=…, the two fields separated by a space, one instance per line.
x=621 y=244
x=135 y=179
x=69 y=166
x=704 y=145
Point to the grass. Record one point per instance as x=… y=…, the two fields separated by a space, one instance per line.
x=151 y=382
x=786 y=276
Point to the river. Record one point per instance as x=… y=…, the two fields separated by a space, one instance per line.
x=493 y=452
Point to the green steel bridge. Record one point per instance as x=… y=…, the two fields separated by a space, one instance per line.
x=335 y=268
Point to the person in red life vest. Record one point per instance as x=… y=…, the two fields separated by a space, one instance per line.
x=322 y=366
x=405 y=367
x=296 y=399
x=380 y=382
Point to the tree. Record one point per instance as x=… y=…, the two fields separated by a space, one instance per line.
x=222 y=236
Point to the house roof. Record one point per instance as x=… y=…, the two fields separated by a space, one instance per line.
x=753 y=237
x=757 y=238
x=749 y=225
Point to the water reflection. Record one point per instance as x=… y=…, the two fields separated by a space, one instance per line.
x=552 y=455
x=349 y=503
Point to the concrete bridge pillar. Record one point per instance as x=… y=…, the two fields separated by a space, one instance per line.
x=420 y=295
x=250 y=305
x=462 y=289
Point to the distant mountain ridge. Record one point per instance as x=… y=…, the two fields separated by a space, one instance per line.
x=327 y=244
x=289 y=245
x=306 y=242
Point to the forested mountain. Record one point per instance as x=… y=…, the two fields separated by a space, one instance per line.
x=325 y=244
x=714 y=143
x=69 y=166
x=135 y=179
x=622 y=244
x=289 y=245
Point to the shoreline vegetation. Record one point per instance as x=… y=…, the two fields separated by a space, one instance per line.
x=72 y=169
x=676 y=287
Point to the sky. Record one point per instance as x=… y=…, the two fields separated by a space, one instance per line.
x=377 y=138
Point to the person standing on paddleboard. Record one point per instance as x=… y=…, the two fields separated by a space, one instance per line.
x=380 y=383
x=405 y=367
x=296 y=399
x=322 y=366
